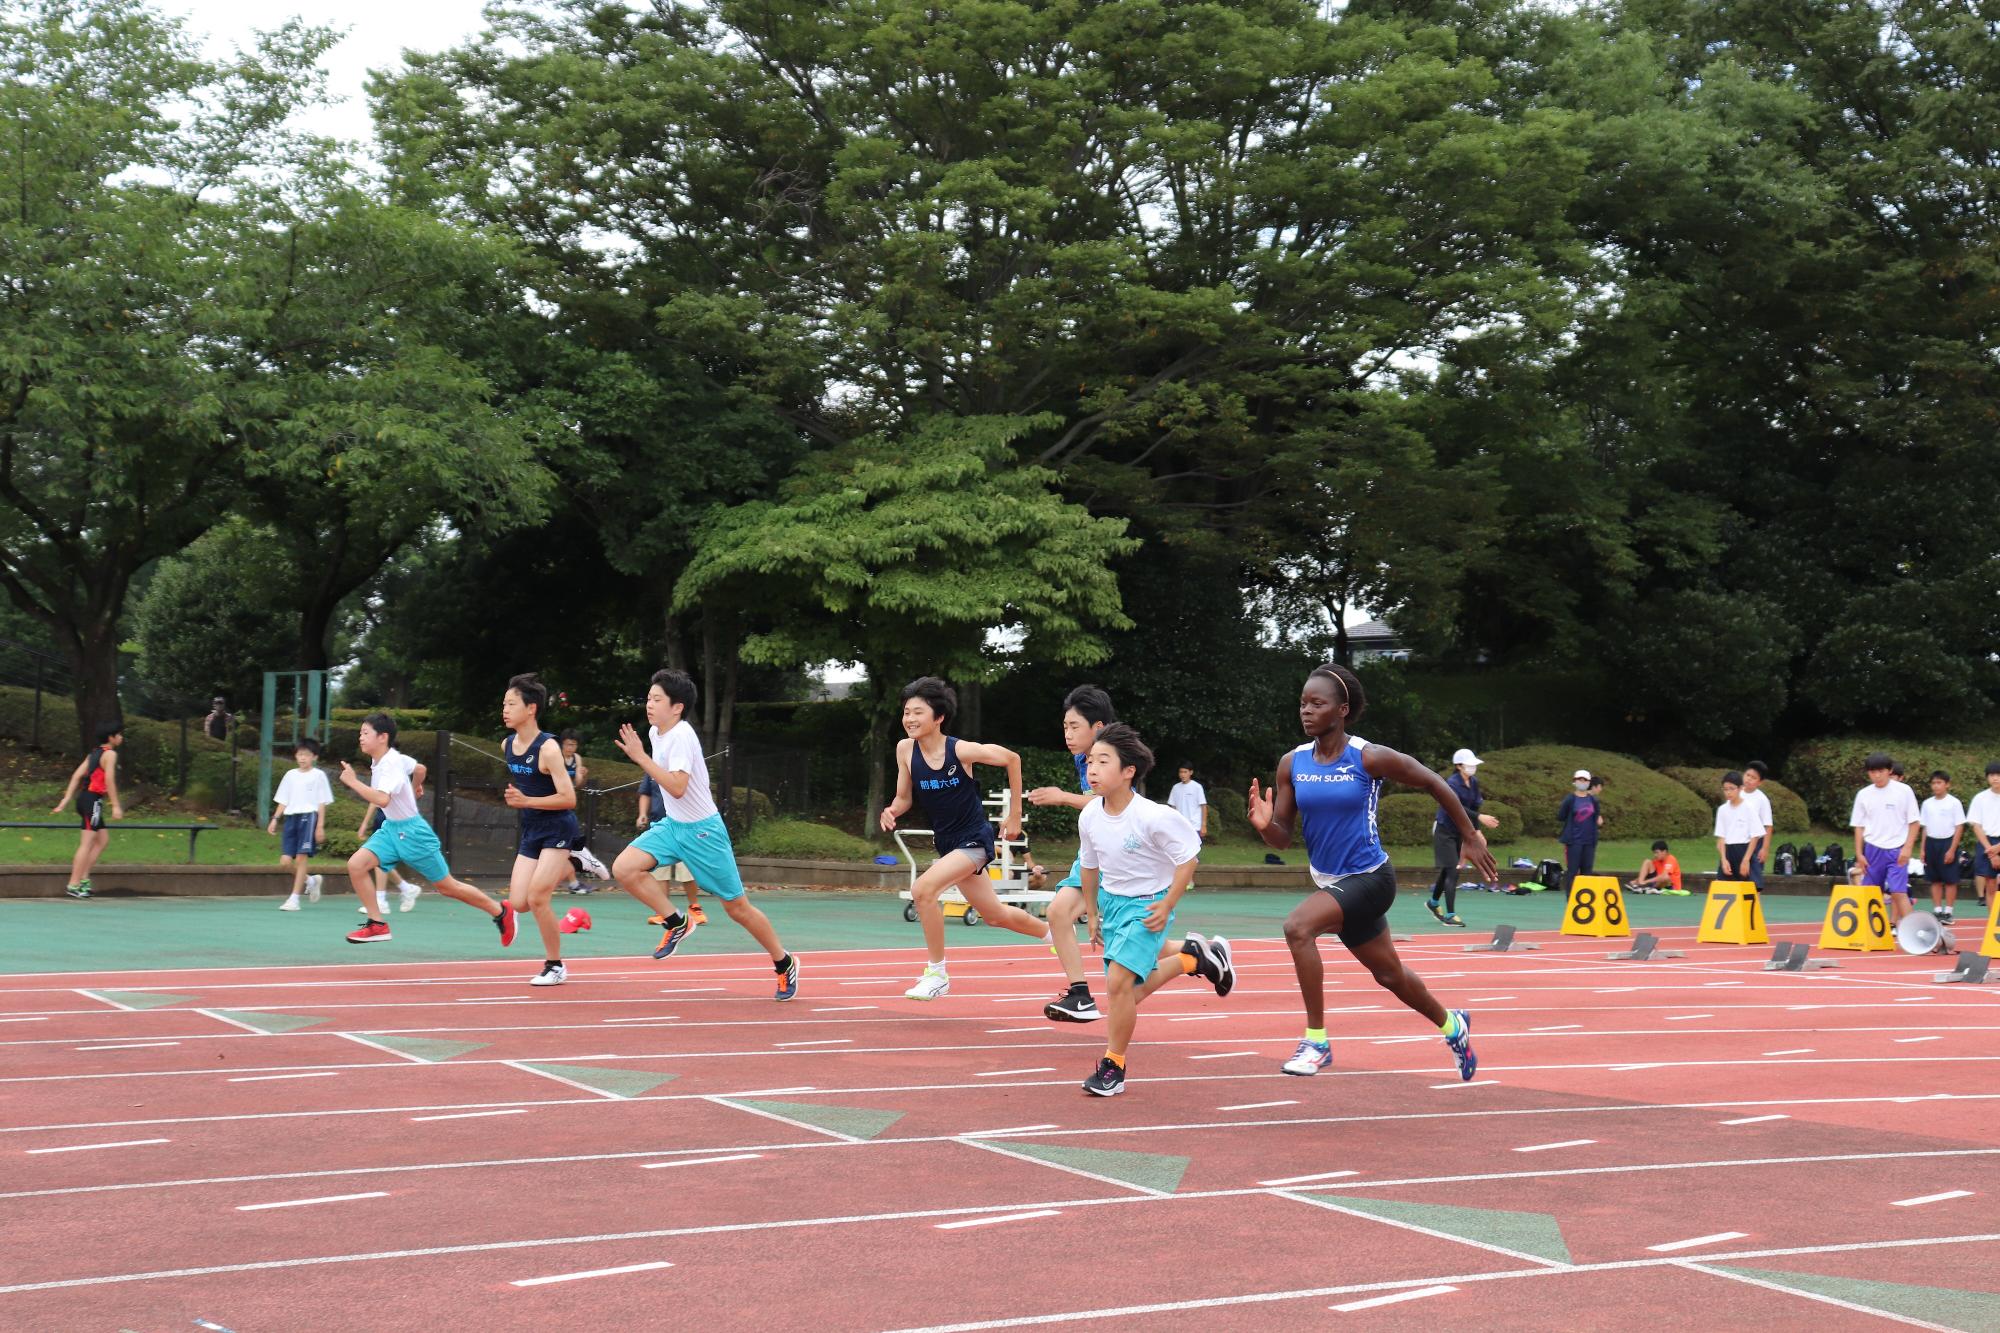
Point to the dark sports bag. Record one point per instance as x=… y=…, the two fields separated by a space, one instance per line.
x=1550 y=873
x=1787 y=857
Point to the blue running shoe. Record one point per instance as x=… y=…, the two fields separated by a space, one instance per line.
x=1461 y=1046
x=675 y=934
x=788 y=980
x=1310 y=1058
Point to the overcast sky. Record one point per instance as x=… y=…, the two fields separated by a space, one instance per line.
x=377 y=33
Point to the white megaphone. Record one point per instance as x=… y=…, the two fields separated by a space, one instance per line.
x=1922 y=933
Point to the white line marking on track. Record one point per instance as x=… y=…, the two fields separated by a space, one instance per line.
x=87 y=1147
x=593 y=1272
x=782 y=1119
x=1683 y=1018
x=1559 y=1027
x=645 y=1018
x=1803 y=1050
x=386 y=1050
x=690 y=990
x=1911 y=999
x=27 y=1018
x=302 y=1203
x=823 y=1041
x=1255 y=1106
x=1392 y=1298
x=1486 y=999
x=1223 y=1055
x=1000 y=1032
x=130 y=1046
x=275 y=1078
x=467 y=1115
x=1667 y=1247
x=1910 y=1041
x=1755 y=1119
x=106 y=999
x=1200 y=1018
x=235 y=1023
x=1475 y=1083
x=1003 y=1073
x=702 y=1161
x=1835 y=1301
x=1566 y=1143
x=1004 y=1217
x=1626 y=1069
x=1307 y=1180
x=1721 y=983
x=1010 y=1129
x=844 y=1008
x=768 y=1092
x=1002 y=1150
x=566 y=1082
x=1932 y=1198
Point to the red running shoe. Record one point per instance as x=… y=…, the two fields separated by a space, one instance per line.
x=368 y=934
x=505 y=922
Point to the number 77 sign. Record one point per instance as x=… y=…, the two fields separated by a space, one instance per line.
x=1733 y=914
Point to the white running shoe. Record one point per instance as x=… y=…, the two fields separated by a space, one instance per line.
x=409 y=895
x=1309 y=1059
x=592 y=867
x=312 y=888
x=361 y=908
x=290 y=904
x=552 y=974
x=933 y=984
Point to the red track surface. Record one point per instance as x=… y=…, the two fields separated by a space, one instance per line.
x=1534 y=1198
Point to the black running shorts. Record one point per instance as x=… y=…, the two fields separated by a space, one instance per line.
x=1365 y=899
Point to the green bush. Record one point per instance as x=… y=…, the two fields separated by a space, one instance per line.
x=1054 y=768
x=1788 y=809
x=802 y=840
x=1828 y=772
x=1638 y=803
x=1405 y=820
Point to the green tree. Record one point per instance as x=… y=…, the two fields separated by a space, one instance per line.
x=216 y=616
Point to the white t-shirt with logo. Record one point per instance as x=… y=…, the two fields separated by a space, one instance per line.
x=1135 y=853
x=1188 y=798
x=303 y=791
x=1884 y=814
x=391 y=776
x=1738 y=822
x=1941 y=816
x=678 y=750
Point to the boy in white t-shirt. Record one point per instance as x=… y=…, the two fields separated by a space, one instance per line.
x=1737 y=828
x=1139 y=858
x=299 y=810
x=1754 y=774
x=1984 y=816
x=1190 y=801
x=1886 y=827
x=1943 y=819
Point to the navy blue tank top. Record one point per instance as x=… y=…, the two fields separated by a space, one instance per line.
x=948 y=796
x=1337 y=804
x=526 y=769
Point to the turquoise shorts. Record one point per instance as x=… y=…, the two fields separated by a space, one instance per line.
x=1074 y=879
x=1127 y=942
x=412 y=844
x=703 y=847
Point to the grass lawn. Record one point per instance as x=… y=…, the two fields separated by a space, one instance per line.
x=235 y=841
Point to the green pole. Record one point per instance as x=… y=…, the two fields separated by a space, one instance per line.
x=266 y=735
x=315 y=700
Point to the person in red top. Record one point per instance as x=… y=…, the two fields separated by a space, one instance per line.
x=1660 y=874
x=98 y=774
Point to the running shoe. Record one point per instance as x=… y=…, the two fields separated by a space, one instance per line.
x=290 y=904
x=313 y=883
x=696 y=916
x=788 y=980
x=1945 y=916
x=1309 y=1058
x=504 y=923
x=933 y=984
x=592 y=867
x=371 y=933
x=1072 y=1006
x=552 y=974
x=1454 y=919
x=674 y=934
x=1212 y=961
x=361 y=908
x=1107 y=1081
x=1461 y=1046
x=568 y=886
x=79 y=891
x=409 y=895
x=1436 y=911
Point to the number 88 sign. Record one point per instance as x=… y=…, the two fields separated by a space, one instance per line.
x=1596 y=907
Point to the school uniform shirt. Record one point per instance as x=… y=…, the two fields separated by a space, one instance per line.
x=304 y=791
x=1884 y=814
x=1188 y=798
x=1760 y=805
x=1985 y=812
x=1739 y=823
x=678 y=750
x=1941 y=816
x=1135 y=853
x=391 y=776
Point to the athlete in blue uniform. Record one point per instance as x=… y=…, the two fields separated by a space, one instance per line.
x=934 y=771
x=1331 y=788
x=1087 y=712
x=538 y=786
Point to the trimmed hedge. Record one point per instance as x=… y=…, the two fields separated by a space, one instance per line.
x=1405 y=820
x=1788 y=808
x=1638 y=803
x=803 y=840
x=1828 y=772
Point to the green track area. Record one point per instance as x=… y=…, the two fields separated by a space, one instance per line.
x=58 y=935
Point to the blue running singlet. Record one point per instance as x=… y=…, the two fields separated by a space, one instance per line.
x=1337 y=805
x=949 y=798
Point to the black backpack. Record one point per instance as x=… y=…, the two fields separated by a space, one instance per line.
x=1831 y=862
x=1786 y=860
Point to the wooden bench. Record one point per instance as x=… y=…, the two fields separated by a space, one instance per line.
x=193 y=831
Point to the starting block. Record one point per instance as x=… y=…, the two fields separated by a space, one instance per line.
x=1502 y=942
x=1794 y=956
x=1971 y=967
x=1645 y=948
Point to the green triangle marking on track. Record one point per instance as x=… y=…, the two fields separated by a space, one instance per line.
x=1524 y=1233
x=858 y=1122
x=140 y=999
x=272 y=1023
x=1154 y=1171
x=1938 y=1305
x=424 y=1048
x=617 y=1082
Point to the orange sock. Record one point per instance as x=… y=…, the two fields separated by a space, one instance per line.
x=1115 y=1058
x=1188 y=963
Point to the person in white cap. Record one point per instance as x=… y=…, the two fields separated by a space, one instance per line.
x=1579 y=817
x=1446 y=850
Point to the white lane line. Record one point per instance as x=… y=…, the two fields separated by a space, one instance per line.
x=1910 y=1041
x=1932 y=1198
x=1395 y=1041
x=1200 y=1018
x=1566 y=1143
x=1307 y=1180
x=1710 y=984
x=1684 y=1018
x=844 y=1008
x=644 y=1018
x=275 y=1078
x=1755 y=1119
x=232 y=1022
x=1475 y=1083
x=765 y=1092
x=689 y=990
x=702 y=1161
x=1391 y=1299
x=1912 y=999
x=1487 y=999
x=1001 y=1032
x=1255 y=1106
x=1688 y=1244
x=1223 y=1055
x=29 y=1018
x=385 y=1050
x=1803 y=1050
x=566 y=1082
x=302 y=1203
x=105 y=999
x=467 y=1115
x=1626 y=1069
x=1010 y=1129
x=88 y=1147
x=130 y=1046
x=593 y=1272
x=1560 y=1027
x=1003 y=1073
x=1734 y=1276
x=823 y=1041
x=1616 y=990
x=1004 y=1217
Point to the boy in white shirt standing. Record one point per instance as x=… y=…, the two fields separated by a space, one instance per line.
x=1736 y=829
x=1139 y=858
x=1943 y=819
x=1886 y=828
x=1754 y=774
x=1984 y=816
x=299 y=809
x=1190 y=801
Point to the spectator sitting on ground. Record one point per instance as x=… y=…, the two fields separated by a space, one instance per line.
x=1661 y=872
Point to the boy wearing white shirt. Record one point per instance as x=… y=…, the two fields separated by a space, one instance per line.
x=1138 y=859
x=1943 y=819
x=299 y=809
x=1190 y=801
x=1737 y=829
x=1984 y=816
x=1886 y=827
x=1754 y=774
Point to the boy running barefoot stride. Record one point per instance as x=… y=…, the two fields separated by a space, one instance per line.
x=1139 y=858
x=934 y=771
